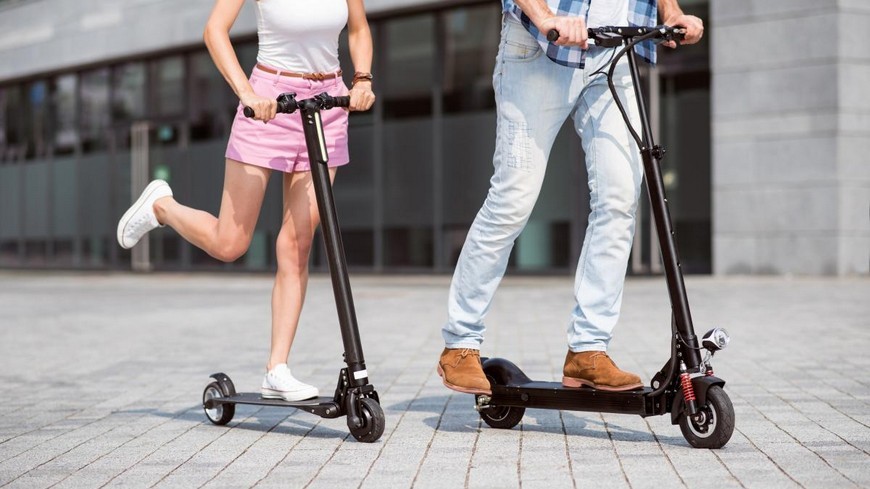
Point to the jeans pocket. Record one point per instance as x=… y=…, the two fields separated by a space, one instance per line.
x=518 y=44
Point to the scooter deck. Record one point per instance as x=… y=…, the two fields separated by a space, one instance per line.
x=553 y=395
x=322 y=406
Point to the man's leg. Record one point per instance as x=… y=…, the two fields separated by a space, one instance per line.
x=615 y=175
x=534 y=96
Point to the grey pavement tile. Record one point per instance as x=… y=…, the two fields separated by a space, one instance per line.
x=126 y=412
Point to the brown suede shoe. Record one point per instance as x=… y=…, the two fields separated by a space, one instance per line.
x=461 y=371
x=595 y=369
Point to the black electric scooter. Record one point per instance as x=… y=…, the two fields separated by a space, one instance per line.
x=354 y=396
x=685 y=387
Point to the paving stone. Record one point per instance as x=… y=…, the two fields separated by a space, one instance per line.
x=134 y=353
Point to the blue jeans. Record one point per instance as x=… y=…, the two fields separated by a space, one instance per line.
x=534 y=96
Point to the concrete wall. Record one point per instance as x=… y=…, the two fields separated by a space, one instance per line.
x=47 y=35
x=791 y=136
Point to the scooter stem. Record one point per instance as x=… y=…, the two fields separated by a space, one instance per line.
x=313 y=128
x=687 y=345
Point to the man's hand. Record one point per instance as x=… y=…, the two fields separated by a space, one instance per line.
x=693 y=25
x=572 y=30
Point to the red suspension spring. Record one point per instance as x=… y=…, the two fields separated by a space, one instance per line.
x=686 y=384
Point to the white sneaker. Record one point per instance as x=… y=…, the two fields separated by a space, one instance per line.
x=279 y=383
x=140 y=218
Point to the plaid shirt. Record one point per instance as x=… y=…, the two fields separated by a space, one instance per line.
x=641 y=13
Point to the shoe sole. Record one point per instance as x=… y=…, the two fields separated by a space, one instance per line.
x=464 y=390
x=125 y=219
x=273 y=394
x=574 y=383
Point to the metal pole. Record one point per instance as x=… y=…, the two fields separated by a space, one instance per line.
x=141 y=253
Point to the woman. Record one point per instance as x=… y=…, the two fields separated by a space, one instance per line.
x=298 y=52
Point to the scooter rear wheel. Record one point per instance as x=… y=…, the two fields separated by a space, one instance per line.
x=713 y=426
x=220 y=414
x=502 y=417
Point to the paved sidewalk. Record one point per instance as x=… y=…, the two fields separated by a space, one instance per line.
x=102 y=376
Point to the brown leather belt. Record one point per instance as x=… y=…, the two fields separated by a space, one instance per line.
x=306 y=76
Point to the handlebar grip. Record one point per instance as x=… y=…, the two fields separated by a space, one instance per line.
x=553 y=35
x=342 y=101
x=281 y=109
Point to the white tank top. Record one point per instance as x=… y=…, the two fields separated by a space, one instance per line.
x=300 y=35
x=607 y=12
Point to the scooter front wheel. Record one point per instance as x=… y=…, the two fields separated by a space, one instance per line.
x=713 y=426
x=219 y=414
x=373 y=421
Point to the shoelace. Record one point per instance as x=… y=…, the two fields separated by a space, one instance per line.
x=464 y=353
x=135 y=226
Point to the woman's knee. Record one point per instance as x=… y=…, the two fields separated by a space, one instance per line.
x=229 y=250
x=293 y=250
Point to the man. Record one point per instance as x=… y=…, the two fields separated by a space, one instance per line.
x=537 y=86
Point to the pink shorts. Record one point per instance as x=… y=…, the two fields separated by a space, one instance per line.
x=280 y=144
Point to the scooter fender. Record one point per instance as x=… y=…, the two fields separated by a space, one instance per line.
x=700 y=385
x=504 y=372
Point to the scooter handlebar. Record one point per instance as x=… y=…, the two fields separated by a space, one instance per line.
x=611 y=36
x=287 y=103
x=342 y=101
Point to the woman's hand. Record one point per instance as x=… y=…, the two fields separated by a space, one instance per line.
x=361 y=96
x=264 y=109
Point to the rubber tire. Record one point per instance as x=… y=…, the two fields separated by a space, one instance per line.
x=720 y=403
x=373 y=421
x=502 y=417
x=226 y=411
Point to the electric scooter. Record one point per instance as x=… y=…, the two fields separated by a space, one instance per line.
x=354 y=396
x=685 y=387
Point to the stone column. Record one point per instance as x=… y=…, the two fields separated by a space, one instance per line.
x=791 y=136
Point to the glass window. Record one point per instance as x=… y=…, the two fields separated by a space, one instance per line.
x=16 y=122
x=10 y=123
x=471 y=40
x=35 y=116
x=408 y=141
x=247 y=55
x=95 y=114
x=128 y=92
x=5 y=124
x=168 y=75
x=65 y=103
x=409 y=66
x=212 y=103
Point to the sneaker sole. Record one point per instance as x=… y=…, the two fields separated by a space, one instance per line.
x=464 y=390
x=574 y=383
x=125 y=219
x=288 y=396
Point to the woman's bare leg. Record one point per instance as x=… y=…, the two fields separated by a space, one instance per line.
x=227 y=236
x=293 y=246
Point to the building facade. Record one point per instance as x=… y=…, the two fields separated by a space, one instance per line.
x=791 y=133
x=92 y=90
